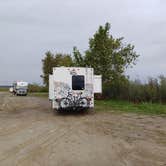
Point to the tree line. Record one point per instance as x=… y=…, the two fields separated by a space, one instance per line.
x=154 y=90
x=109 y=57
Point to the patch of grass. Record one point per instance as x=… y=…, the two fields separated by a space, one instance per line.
x=38 y=94
x=124 y=106
x=4 y=89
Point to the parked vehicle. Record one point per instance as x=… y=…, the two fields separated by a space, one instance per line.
x=20 y=88
x=73 y=88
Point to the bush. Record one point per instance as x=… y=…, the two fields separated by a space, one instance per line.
x=37 y=88
x=116 y=89
x=136 y=91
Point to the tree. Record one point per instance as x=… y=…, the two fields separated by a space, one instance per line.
x=47 y=64
x=51 y=61
x=107 y=55
x=62 y=60
x=78 y=60
x=162 y=81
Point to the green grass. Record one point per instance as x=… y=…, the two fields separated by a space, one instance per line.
x=38 y=94
x=4 y=89
x=124 y=106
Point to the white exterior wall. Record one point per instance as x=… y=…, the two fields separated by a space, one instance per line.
x=97 y=84
x=51 y=87
x=60 y=83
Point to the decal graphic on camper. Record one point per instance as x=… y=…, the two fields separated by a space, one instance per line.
x=62 y=89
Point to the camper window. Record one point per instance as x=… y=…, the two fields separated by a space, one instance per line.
x=78 y=82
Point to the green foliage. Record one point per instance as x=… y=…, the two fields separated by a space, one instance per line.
x=78 y=60
x=48 y=63
x=107 y=55
x=116 y=89
x=37 y=88
x=152 y=91
x=62 y=60
x=162 y=89
x=50 y=60
x=148 y=92
x=136 y=91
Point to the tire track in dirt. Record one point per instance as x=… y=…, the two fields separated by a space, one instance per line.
x=47 y=147
x=26 y=146
x=18 y=128
x=45 y=139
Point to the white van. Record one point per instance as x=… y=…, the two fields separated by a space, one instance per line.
x=73 y=88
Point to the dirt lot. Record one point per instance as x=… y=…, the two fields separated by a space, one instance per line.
x=32 y=135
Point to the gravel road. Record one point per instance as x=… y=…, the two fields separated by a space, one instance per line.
x=32 y=135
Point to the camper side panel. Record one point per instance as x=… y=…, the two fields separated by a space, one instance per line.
x=51 y=87
x=97 y=84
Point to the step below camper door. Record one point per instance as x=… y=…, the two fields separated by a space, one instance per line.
x=97 y=84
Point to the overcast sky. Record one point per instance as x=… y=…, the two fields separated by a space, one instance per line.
x=28 y=28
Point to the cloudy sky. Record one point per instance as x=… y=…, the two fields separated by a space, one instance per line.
x=29 y=28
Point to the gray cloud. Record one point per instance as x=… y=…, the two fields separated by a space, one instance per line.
x=29 y=28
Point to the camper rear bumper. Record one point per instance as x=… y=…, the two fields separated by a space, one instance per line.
x=80 y=104
x=74 y=108
x=63 y=104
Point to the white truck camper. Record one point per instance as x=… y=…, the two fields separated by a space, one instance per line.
x=73 y=88
x=20 y=88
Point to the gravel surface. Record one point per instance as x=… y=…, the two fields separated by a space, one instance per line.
x=32 y=135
